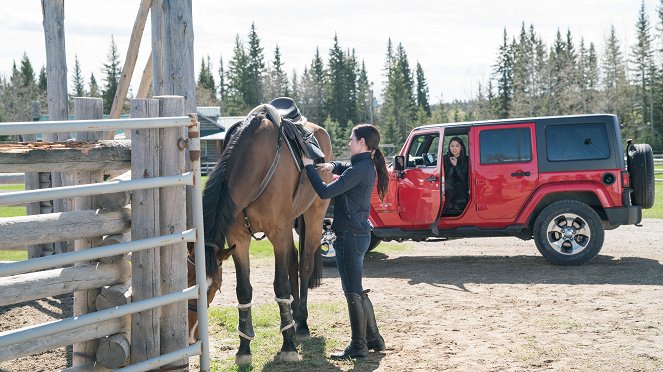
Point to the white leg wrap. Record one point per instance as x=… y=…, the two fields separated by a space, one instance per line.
x=284 y=300
x=244 y=306
x=243 y=335
x=288 y=326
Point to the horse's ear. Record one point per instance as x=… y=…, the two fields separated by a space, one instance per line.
x=227 y=252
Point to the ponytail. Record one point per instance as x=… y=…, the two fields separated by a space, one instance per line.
x=383 y=176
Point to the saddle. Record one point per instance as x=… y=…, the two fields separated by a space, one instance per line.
x=297 y=136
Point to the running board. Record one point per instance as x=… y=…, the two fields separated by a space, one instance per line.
x=458 y=232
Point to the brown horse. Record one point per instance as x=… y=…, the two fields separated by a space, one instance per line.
x=234 y=186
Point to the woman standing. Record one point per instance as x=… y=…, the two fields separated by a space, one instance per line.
x=352 y=196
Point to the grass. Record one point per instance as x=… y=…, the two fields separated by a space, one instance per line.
x=329 y=328
x=18 y=187
x=657 y=210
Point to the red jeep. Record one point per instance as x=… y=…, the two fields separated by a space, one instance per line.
x=559 y=180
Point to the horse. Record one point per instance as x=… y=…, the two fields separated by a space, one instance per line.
x=272 y=194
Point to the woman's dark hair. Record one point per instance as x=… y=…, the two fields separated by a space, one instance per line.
x=371 y=136
x=463 y=150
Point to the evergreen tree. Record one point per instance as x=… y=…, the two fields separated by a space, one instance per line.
x=238 y=81
x=503 y=73
x=614 y=84
x=337 y=90
x=222 y=85
x=642 y=62
x=294 y=92
x=27 y=72
x=312 y=99
x=78 y=83
x=422 y=91
x=277 y=81
x=112 y=72
x=364 y=96
x=94 y=87
x=398 y=112
x=255 y=69
x=205 y=76
x=42 y=83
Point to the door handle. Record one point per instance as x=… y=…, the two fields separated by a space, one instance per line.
x=432 y=179
x=520 y=174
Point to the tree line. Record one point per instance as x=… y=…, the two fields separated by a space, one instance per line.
x=570 y=77
x=529 y=78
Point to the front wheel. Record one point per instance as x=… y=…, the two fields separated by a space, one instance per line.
x=568 y=232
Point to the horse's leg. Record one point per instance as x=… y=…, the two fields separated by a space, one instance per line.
x=282 y=242
x=244 y=296
x=313 y=218
x=293 y=271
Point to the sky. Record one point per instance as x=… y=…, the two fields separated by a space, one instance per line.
x=455 y=41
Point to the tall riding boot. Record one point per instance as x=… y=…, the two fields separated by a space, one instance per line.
x=357 y=347
x=374 y=340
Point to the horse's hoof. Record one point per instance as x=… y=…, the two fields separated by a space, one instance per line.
x=242 y=360
x=290 y=356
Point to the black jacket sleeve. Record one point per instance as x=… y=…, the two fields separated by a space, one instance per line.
x=349 y=179
x=339 y=167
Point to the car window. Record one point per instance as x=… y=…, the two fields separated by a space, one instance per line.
x=510 y=145
x=577 y=142
x=420 y=147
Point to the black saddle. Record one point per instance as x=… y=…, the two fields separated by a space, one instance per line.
x=298 y=137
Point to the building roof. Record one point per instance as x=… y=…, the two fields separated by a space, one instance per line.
x=214 y=137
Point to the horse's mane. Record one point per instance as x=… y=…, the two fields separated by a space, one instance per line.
x=219 y=210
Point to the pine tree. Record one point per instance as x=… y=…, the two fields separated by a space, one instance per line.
x=312 y=99
x=364 y=99
x=205 y=77
x=337 y=90
x=42 y=83
x=422 y=91
x=523 y=72
x=255 y=69
x=222 y=83
x=276 y=84
x=27 y=72
x=112 y=73
x=94 y=87
x=77 y=80
x=613 y=81
x=642 y=63
x=503 y=73
x=238 y=81
x=294 y=92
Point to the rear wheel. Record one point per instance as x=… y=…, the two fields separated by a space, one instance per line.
x=640 y=162
x=375 y=241
x=568 y=232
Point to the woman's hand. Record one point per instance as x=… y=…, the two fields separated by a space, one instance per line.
x=306 y=160
x=325 y=167
x=454 y=161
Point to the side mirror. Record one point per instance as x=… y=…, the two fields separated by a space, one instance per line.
x=399 y=162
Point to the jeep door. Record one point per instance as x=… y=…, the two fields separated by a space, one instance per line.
x=419 y=184
x=505 y=168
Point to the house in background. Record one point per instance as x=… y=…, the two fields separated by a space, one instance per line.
x=212 y=142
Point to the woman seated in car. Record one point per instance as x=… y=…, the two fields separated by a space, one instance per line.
x=456 y=166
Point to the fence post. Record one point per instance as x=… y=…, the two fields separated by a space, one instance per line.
x=173 y=218
x=85 y=301
x=145 y=270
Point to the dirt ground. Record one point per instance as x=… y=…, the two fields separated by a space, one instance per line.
x=481 y=305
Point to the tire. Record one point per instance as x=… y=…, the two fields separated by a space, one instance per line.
x=375 y=241
x=640 y=162
x=568 y=232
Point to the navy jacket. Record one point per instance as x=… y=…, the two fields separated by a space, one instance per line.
x=351 y=192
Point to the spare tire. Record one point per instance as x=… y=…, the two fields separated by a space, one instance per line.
x=640 y=162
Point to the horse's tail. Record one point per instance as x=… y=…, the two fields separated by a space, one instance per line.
x=315 y=280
